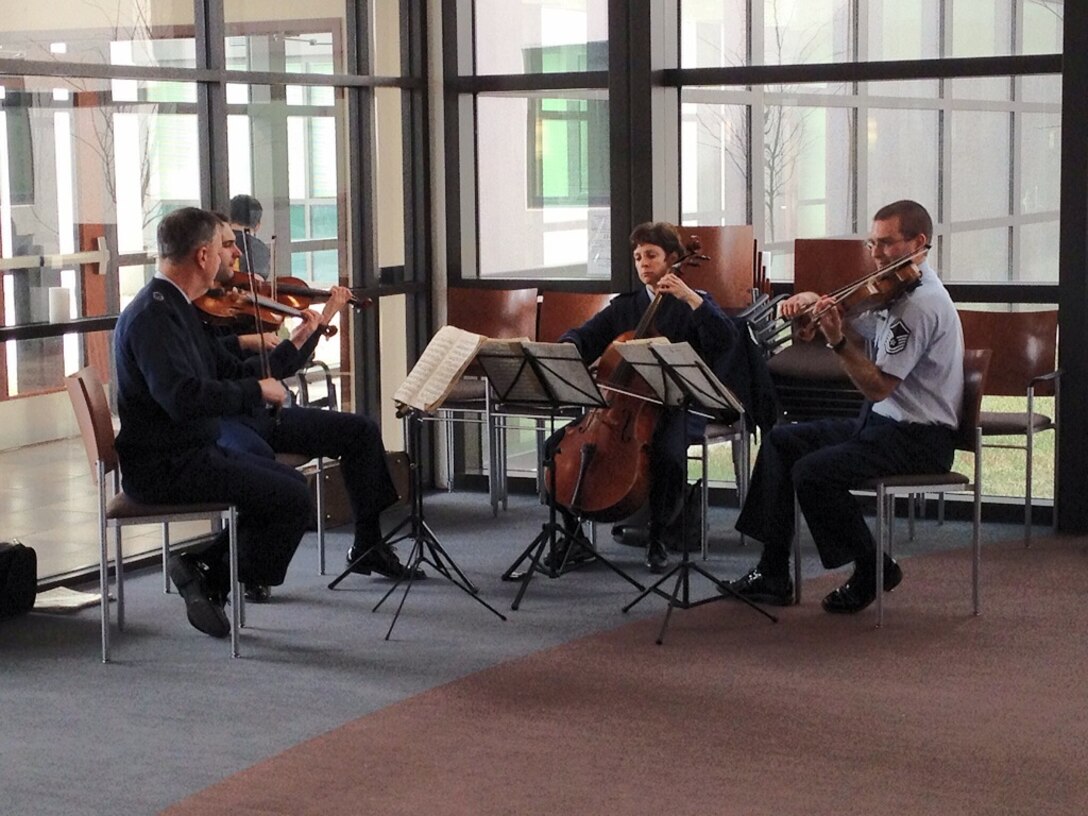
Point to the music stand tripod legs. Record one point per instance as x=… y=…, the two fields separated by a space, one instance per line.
x=550 y=535
x=680 y=598
x=426 y=548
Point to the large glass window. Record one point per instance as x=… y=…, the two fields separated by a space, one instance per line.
x=903 y=157
x=540 y=36
x=543 y=200
x=153 y=33
x=273 y=37
x=83 y=161
x=90 y=164
x=981 y=153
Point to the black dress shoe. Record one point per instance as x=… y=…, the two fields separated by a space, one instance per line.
x=657 y=558
x=258 y=593
x=762 y=587
x=567 y=554
x=203 y=609
x=860 y=590
x=382 y=560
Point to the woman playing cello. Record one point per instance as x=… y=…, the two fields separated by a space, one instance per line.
x=683 y=314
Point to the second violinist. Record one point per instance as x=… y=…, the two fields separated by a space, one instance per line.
x=684 y=314
x=353 y=439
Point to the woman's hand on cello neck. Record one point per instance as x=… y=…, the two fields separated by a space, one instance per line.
x=672 y=284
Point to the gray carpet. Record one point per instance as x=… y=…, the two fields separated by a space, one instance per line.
x=174 y=714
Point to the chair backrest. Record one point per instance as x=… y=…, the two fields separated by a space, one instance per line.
x=823 y=265
x=1026 y=344
x=497 y=313
x=976 y=366
x=560 y=311
x=729 y=275
x=92 y=411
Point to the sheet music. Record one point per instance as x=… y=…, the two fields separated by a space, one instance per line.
x=438 y=368
x=706 y=390
x=509 y=373
x=639 y=354
x=565 y=371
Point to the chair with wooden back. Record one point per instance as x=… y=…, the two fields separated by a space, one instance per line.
x=729 y=274
x=117 y=510
x=558 y=312
x=1025 y=344
x=498 y=314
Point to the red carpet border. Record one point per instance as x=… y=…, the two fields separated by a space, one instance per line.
x=937 y=713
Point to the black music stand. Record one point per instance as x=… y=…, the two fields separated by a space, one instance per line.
x=681 y=379
x=426 y=548
x=549 y=376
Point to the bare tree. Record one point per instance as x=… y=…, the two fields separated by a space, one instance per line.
x=784 y=133
x=100 y=137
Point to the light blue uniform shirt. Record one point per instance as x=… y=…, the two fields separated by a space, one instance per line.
x=919 y=340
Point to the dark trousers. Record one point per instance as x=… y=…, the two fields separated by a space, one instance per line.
x=273 y=501
x=352 y=438
x=821 y=462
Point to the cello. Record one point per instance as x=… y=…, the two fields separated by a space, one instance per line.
x=601 y=462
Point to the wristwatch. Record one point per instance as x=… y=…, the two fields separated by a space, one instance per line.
x=839 y=346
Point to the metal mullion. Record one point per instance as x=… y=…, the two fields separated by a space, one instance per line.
x=82 y=70
x=452 y=41
x=366 y=351
x=211 y=104
x=417 y=210
x=1073 y=274
x=516 y=83
x=866 y=71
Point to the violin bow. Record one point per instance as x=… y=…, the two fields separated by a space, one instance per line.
x=266 y=365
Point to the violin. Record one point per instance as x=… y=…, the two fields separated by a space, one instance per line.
x=231 y=306
x=601 y=467
x=291 y=291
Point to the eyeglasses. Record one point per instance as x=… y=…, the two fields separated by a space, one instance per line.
x=884 y=243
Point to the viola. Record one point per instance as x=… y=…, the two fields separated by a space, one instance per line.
x=602 y=461
x=876 y=290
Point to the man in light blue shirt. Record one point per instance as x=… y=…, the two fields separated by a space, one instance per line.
x=914 y=387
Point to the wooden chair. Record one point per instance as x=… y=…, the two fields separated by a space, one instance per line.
x=116 y=510
x=557 y=312
x=729 y=275
x=976 y=364
x=1025 y=344
x=495 y=313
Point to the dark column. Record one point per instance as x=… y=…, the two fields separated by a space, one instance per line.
x=1073 y=275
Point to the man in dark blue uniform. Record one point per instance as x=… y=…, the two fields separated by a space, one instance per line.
x=174 y=385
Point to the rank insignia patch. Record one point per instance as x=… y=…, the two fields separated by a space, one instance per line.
x=897 y=337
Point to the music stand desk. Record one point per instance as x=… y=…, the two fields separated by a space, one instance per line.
x=553 y=377
x=681 y=379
